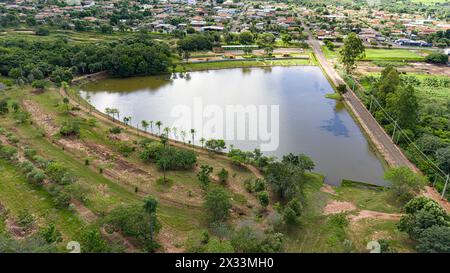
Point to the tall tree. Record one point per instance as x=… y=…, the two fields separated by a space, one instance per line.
x=404 y=107
x=352 y=50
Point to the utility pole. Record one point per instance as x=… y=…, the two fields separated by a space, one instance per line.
x=445 y=187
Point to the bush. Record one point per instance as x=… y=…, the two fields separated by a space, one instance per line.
x=437 y=58
x=115 y=130
x=422 y=213
x=91 y=241
x=223 y=176
x=342 y=88
x=36 y=176
x=174 y=158
x=70 y=128
x=62 y=199
x=8 y=152
x=217 y=204
x=405 y=183
x=51 y=234
x=435 y=239
x=125 y=148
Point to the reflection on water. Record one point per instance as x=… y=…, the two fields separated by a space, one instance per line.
x=308 y=122
x=335 y=126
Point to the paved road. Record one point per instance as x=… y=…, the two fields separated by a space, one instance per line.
x=391 y=152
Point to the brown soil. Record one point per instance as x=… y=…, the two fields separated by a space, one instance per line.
x=44 y=120
x=375 y=214
x=16 y=230
x=328 y=189
x=334 y=207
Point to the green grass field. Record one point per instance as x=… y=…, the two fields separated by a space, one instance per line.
x=243 y=64
x=373 y=54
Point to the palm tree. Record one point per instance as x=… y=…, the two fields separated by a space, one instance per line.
x=159 y=124
x=125 y=120
x=166 y=131
x=193 y=135
x=202 y=141
x=108 y=111
x=144 y=124
x=175 y=134
x=183 y=135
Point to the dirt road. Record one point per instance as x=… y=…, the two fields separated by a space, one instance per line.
x=383 y=142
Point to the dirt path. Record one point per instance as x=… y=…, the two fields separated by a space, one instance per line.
x=334 y=207
x=391 y=152
x=383 y=142
x=376 y=215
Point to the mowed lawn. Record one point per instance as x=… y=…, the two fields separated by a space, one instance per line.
x=374 y=54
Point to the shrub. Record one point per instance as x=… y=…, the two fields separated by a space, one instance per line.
x=29 y=152
x=260 y=185
x=26 y=166
x=115 y=130
x=342 y=88
x=223 y=176
x=51 y=234
x=125 y=148
x=25 y=219
x=62 y=199
x=217 y=204
x=174 y=158
x=437 y=58
x=36 y=176
x=91 y=241
x=405 y=183
x=435 y=239
x=8 y=152
x=70 y=128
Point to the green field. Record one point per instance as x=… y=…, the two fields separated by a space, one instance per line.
x=375 y=54
x=242 y=64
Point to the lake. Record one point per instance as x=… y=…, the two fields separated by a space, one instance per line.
x=278 y=109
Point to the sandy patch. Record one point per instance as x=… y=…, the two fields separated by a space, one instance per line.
x=376 y=215
x=328 y=189
x=334 y=207
x=42 y=119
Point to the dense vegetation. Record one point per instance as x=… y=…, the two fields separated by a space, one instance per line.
x=27 y=61
x=423 y=119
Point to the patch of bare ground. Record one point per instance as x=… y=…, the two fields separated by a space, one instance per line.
x=413 y=67
x=170 y=242
x=334 y=207
x=328 y=189
x=44 y=120
x=86 y=214
x=18 y=232
x=362 y=214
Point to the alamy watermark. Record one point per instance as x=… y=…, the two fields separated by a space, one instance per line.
x=231 y=122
